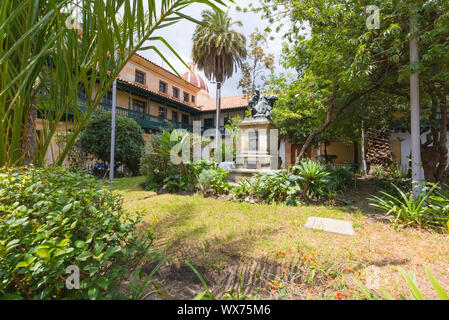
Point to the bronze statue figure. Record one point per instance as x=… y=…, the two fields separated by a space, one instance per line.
x=261 y=106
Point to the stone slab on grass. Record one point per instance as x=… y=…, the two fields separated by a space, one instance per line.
x=330 y=225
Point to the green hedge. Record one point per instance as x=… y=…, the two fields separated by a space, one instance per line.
x=53 y=218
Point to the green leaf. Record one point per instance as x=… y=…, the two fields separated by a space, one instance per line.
x=438 y=288
x=44 y=253
x=67 y=208
x=414 y=290
x=25 y=263
x=84 y=256
x=103 y=283
x=93 y=293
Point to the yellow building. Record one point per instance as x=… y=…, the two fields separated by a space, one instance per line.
x=158 y=99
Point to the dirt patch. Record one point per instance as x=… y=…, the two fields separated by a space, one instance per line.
x=248 y=277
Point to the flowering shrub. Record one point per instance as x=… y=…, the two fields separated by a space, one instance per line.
x=54 y=218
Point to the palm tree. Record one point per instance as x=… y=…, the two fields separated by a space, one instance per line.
x=218 y=50
x=45 y=61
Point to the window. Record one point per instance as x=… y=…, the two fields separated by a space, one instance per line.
x=186 y=97
x=139 y=108
x=193 y=99
x=174 y=116
x=162 y=87
x=208 y=123
x=140 y=77
x=185 y=119
x=161 y=112
x=226 y=120
x=107 y=99
x=175 y=93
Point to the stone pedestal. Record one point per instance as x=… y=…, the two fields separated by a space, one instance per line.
x=258 y=148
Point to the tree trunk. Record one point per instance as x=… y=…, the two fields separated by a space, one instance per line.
x=329 y=119
x=434 y=158
x=378 y=151
x=29 y=143
x=441 y=170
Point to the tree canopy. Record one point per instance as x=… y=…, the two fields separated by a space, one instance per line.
x=345 y=67
x=95 y=139
x=218 y=49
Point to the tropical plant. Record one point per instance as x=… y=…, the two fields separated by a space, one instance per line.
x=129 y=144
x=424 y=210
x=412 y=286
x=214 y=180
x=54 y=218
x=276 y=188
x=176 y=181
x=139 y=282
x=48 y=57
x=313 y=174
x=242 y=190
x=217 y=48
x=385 y=178
x=338 y=179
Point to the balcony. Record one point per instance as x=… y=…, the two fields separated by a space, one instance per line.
x=145 y=120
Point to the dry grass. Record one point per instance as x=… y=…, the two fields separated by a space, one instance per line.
x=214 y=234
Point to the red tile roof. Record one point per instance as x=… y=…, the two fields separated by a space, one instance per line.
x=234 y=102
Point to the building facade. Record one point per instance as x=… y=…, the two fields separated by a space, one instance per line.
x=158 y=99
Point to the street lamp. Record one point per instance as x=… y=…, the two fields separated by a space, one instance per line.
x=217 y=120
x=113 y=111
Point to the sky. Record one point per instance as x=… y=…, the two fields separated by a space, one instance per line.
x=180 y=38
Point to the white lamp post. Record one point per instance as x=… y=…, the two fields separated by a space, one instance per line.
x=113 y=111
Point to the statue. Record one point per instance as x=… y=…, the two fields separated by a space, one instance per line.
x=261 y=106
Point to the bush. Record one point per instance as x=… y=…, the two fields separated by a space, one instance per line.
x=308 y=179
x=154 y=166
x=385 y=178
x=157 y=166
x=429 y=209
x=313 y=174
x=54 y=218
x=95 y=139
x=276 y=188
x=338 y=179
x=213 y=180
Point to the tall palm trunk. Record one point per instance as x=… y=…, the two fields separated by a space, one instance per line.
x=379 y=151
x=29 y=143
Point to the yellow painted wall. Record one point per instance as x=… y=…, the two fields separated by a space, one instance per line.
x=53 y=150
x=343 y=150
x=154 y=74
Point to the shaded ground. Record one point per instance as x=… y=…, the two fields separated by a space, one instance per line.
x=261 y=242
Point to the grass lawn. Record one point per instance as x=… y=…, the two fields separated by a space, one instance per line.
x=268 y=242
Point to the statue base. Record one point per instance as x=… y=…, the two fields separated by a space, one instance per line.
x=259 y=145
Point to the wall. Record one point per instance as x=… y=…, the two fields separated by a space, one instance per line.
x=53 y=150
x=223 y=114
x=155 y=74
x=343 y=150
